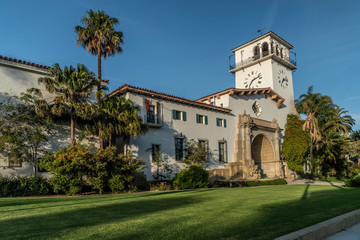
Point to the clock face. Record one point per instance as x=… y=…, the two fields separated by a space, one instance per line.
x=283 y=79
x=253 y=79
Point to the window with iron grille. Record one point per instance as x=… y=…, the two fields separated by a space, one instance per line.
x=179 y=149
x=222 y=151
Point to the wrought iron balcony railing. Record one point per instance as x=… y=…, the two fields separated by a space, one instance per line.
x=153 y=120
x=257 y=57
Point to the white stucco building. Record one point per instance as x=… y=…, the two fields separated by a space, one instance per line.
x=242 y=126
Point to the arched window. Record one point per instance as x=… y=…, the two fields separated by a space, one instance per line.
x=281 y=52
x=277 y=50
x=265 y=49
x=256 y=52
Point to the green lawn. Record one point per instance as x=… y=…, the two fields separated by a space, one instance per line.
x=237 y=213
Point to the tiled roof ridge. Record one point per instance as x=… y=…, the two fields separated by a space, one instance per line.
x=24 y=62
x=169 y=97
x=33 y=64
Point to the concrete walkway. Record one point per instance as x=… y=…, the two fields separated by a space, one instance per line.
x=330 y=229
x=352 y=233
x=312 y=182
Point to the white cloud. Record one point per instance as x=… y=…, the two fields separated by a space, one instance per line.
x=270 y=16
x=352 y=98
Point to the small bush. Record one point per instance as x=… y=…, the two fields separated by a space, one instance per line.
x=244 y=183
x=354 y=182
x=117 y=184
x=278 y=181
x=193 y=177
x=24 y=186
x=162 y=186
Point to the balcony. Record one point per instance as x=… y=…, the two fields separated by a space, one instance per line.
x=257 y=57
x=153 y=120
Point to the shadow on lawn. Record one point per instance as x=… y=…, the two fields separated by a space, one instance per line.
x=139 y=204
x=266 y=221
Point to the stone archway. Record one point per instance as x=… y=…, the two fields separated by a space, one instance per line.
x=261 y=150
x=263 y=155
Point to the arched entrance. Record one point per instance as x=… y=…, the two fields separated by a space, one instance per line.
x=263 y=154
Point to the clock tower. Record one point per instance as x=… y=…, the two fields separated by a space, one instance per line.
x=265 y=62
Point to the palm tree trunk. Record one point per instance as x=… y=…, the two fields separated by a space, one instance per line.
x=99 y=67
x=126 y=143
x=101 y=142
x=72 y=130
x=34 y=170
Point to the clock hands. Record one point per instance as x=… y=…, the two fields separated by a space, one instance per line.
x=258 y=76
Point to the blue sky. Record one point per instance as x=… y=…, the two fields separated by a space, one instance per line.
x=182 y=47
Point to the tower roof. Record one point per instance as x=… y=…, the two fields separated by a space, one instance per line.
x=272 y=34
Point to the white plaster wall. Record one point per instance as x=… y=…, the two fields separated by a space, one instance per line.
x=223 y=101
x=248 y=50
x=165 y=136
x=265 y=68
x=16 y=78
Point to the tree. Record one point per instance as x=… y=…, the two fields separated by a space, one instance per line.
x=163 y=169
x=313 y=105
x=71 y=89
x=77 y=168
x=296 y=143
x=22 y=132
x=196 y=153
x=115 y=116
x=355 y=135
x=329 y=127
x=98 y=35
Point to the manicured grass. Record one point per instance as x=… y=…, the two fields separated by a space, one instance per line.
x=236 y=213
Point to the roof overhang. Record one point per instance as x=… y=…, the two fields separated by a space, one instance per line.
x=127 y=88
x=246 y=92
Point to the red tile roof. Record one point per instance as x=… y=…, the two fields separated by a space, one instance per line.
x=127 y=88
x=24 y=62
x=34 y=64
x=238 y=91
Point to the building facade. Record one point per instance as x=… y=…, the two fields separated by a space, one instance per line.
x=242 y=127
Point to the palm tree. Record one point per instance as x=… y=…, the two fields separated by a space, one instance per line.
x=99 y=36
x=314 y=105
x=115 y=116
x=355 y=135
x=339 y=121
x=71 y=88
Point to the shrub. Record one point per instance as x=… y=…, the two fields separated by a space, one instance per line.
x=230 y=184
x=24 y=186
x=162 y=186
x=193 y=177
x=296 y=143
x=278 y=181
x=354 y=182
x=78 y=168
x=117 y=184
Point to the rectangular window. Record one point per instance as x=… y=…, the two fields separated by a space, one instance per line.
x=179 y=115
x=151 y=114
x=201 y=119
x=15 y=163
x=205 y=145
x=222 y=151
x=155 y=149
x=221 y=122
x=179 y=149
